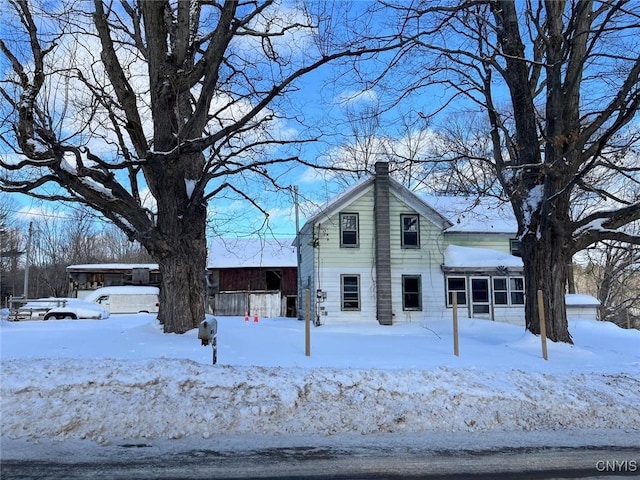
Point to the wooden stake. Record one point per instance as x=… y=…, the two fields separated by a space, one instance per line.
x=456 y=350
x=543 y=325
x=307 y=322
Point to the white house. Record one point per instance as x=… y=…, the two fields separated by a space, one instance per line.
x=381 y=252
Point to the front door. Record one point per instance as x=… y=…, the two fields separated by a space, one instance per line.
x=480 y=297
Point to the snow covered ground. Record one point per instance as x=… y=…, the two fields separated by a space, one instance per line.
x=122 y=379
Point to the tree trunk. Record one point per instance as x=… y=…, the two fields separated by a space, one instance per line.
x=571 y=279
x=182 y=287
x=180 y=246
x=545 y=269
x=603 y=290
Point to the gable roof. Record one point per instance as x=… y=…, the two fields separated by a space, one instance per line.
x=251 y=252
x=361 y=187
x=474 y=214
x=332 y=206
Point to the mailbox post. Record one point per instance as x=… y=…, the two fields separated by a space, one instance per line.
x=208 y=334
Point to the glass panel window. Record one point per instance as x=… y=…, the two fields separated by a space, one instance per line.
x=480 y=290
x=410 y=230
x=411 y=292
x=516 y=287
x=350 y=288
x=500 y=294
x=514 y=246
x=457 y=286
x=349 y=229
x=480 y=309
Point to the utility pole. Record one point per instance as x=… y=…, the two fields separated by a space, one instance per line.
x=26 y=262
x=298 y=253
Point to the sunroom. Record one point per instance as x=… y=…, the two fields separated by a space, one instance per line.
x=485 y=283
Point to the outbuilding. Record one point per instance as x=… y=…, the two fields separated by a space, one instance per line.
x=252 y=276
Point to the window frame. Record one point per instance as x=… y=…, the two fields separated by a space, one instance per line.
x=449 y=296
x=504 y=291
x=101 y=299
x=515 y=247
x=417 y=308
x=510 y=290
x=342 y=230
x=404 y=232
x=343 y=300
x=515 y=291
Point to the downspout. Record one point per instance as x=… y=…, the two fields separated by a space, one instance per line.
x=318 y=286
x=383 y=244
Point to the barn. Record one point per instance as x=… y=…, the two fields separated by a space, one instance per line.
x=249 y=276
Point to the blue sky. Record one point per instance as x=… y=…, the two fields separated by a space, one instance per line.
x=323 y=97
x=233 y=216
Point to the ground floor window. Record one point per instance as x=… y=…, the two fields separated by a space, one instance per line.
x=411 y=292
x=505 y=291
x=516 y=288
x=350 y=292
x=500 y=291
x=457 y=286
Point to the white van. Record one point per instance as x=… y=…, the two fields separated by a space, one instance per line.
x=126 y=299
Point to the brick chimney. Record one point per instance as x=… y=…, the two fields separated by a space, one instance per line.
x=383 y=244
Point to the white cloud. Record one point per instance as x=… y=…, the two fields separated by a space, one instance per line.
x=287 y=44
x=357 y=96
x=39 y=212
x=312 y=175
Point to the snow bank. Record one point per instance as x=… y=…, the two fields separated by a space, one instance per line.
x=457 y=256
x=122 y=378
x=175 y=399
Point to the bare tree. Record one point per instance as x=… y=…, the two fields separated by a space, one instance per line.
x=363 y=143
x=559 y=84
x=404 y=140
x=612 y=274
x=118 y=248
x=181 y=98
x=456 y=159
x=58 y=241
x=10 y=252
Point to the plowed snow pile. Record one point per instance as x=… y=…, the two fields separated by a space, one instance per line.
x=122 y=378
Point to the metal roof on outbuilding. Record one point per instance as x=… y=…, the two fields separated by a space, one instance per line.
x=251 y=252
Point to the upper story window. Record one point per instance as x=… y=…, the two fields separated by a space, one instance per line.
x=349 y=230
x=514 y=247
x=410 y=230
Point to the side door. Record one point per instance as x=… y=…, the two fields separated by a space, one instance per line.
x=480 y=297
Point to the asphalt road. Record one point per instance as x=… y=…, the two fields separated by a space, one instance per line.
x=140 y=461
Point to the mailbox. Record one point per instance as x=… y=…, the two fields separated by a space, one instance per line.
x=208 y=335
x=207 y=331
